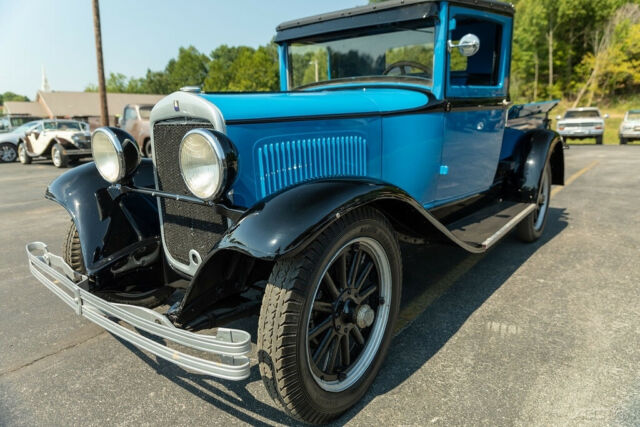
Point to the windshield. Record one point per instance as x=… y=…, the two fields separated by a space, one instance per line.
x=25 y=127
x=399 y=52
x=633 y=115
x=582 y=114
x=68 y=126
x=145 y=112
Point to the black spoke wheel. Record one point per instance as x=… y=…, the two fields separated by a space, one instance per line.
x=327 y=317
x=349 y=315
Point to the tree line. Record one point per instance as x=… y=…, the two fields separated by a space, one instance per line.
x=227 y=68
x=580 y=50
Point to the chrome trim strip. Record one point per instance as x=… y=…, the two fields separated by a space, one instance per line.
x=508 y=226
x=189 y=106
x=231 y=345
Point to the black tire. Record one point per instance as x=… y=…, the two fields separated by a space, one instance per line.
x=532 y=227
x=72 y=254
x=599 y=140
x=291 y=297
x=147 y=150
x=8 y=152
x=23 y=156
x=623 y=141
x=59 y=159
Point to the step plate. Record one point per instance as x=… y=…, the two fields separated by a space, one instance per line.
x=485 y=227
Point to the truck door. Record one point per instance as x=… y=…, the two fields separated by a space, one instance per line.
x=476 y=95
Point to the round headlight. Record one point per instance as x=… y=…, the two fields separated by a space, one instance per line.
x=203 y=163
x=115 y=153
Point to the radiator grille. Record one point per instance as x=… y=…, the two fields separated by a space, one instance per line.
x=185 y=225
x=285 y=163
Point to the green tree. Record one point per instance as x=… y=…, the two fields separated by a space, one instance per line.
x=10 y=96
x=188 y=69
x=243 y=69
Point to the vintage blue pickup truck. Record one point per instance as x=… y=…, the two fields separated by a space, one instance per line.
x=390 y=126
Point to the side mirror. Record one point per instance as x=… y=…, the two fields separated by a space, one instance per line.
x=606 y=116
x=468 y=45
x=119 y=121
x=558 y=117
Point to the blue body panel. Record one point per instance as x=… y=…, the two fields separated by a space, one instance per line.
x=389 y=130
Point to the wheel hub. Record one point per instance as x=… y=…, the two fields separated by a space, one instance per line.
x=364 y=316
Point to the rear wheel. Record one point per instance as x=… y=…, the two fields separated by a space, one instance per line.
x=24 y=157
x=327 y=317
x=623 y=141
x=599 y=140
x=8 y=153
x=59 y=159
x=531 y=228
x=72 y=254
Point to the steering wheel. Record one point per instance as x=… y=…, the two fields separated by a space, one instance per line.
x=402 y=65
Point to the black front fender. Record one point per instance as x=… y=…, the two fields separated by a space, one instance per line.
x=118 y=234
x=287 y=222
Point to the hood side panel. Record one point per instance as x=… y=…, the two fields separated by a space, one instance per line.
x=274 y=156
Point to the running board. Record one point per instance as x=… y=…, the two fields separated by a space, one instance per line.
x=485 y=227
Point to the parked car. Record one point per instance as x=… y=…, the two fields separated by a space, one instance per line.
x=10 y=122
x=630 y=127
x=582 y=123
x=295 y=201
x=135 y=121
x=62 y=141
x=9 y=142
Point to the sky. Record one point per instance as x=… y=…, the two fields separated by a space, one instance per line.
x=136 y=35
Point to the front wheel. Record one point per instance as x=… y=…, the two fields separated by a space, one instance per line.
x=60 y=160
x=623 y=141
x=24 y=157
x=531 y=228
x=72 y=254
x=8 y=153
x=328 y=315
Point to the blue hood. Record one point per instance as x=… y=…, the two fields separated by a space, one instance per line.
x=255 y=107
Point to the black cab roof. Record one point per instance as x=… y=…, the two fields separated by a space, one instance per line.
x=376 y=14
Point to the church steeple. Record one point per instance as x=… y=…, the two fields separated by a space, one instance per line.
x=44 y=87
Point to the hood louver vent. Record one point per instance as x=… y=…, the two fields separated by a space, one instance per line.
x=286 y=163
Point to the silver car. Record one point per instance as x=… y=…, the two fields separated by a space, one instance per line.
x=582 y=123
x=9 y=141
x=630 y=127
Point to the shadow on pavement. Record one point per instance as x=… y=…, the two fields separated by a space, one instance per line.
x=423 y=268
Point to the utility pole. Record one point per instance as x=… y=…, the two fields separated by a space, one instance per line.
x=102 y=90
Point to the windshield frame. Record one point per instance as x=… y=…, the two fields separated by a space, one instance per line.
x=387 y=28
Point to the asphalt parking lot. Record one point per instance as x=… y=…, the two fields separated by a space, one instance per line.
x=540 y=334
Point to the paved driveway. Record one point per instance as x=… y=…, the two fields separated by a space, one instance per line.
x=537 y=334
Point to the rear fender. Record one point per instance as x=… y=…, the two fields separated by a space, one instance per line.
x=531 y=153
x=120 y=236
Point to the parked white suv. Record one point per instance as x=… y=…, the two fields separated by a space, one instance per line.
x=630 y=127
x=582 y=123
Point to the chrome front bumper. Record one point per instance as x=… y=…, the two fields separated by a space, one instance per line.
x=231 y=346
